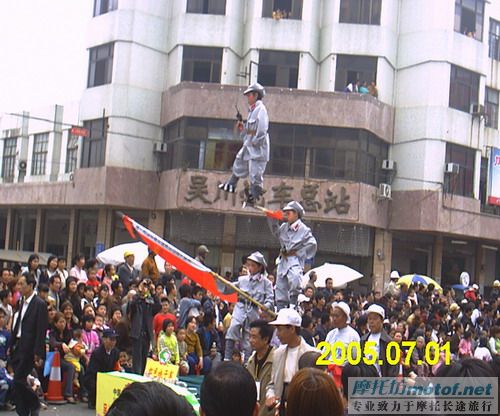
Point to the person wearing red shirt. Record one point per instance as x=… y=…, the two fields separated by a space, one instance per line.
x=161 y=316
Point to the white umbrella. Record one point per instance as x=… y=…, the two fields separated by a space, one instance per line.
x=114 y=255
x=340 y=274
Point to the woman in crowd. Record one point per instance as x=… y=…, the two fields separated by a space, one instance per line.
x=70 y=294
x=195 y=352
x=50 y=271
x=313 y=392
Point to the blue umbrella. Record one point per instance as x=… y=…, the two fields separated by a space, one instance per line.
x=460 y=287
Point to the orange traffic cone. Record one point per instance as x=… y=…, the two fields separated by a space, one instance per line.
x=54 y=391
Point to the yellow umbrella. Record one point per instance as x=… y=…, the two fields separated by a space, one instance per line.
x=418 y=278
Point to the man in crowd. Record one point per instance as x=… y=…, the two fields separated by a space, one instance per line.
x=201 y=253
x=260 y=364
x=28 y=344
x=286 y=357
x=149 y=268
x=140 y=311
x=379 y=340
x=297 y=245
x=126 y=271
x=103 y=360
x=342 y=331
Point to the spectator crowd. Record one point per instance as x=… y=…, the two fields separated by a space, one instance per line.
x=105 y=318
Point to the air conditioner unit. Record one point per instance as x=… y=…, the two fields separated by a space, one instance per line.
x=384 y=191
x=477 y=109
x=22 y=165
x=160 y=148
x=452 y=168
x=388 y=164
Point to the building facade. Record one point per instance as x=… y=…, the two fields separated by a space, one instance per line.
x=164 y=79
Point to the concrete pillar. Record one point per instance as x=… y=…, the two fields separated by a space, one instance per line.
x=55 y=167
x=479 y=275
x=156 y=222
x=71 y=235
x=104 y=228
x=38 y=230
x=437 y=258
x=382 y=259
x=8 y=228
x=228 y=244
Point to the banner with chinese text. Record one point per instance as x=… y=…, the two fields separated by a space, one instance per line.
x=494 y=177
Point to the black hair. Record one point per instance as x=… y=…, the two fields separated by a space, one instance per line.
x=197 y=290
x=358 y=370
x=61 y=259
x=306 y=321
x=90 y=263
x=50 y=259
x=310 y=359
x=228 y=390
x=4 y=294
x=78 y=257
x=265 y=330
x=87 y=318
x=115 y=284
x=185 y=291
x=166 y=323
x=325 y=318
x=30 y=279
x=54 y=277
x=468 y=367
x=32 y=257
x=42 y=287
x=208 y=318
x=319 y=296
x=150 y=399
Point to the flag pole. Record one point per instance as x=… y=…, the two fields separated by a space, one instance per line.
x=229 y=284
x=244 y=294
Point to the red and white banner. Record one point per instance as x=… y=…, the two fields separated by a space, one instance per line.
x=192 y=268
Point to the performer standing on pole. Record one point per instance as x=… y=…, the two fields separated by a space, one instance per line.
x=258 y=287
x=297 y=245
x=252 y=158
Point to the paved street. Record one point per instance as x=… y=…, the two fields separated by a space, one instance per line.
x=65 y=410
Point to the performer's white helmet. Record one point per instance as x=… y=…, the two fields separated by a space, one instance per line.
x=257 y=257
x=294 y=206
x=256 y=87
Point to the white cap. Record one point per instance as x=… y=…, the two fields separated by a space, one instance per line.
x=464 y=301
x=496 y=283
x=294 y=206
x=302 y=298
x=379 y=310
x=395 y=274
x=345 y=308
x=475 y=286
x=287 y=316
x=257 y=257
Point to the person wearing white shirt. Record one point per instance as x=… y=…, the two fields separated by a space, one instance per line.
x=342 y=332
x=482 y=352
x=77 y=270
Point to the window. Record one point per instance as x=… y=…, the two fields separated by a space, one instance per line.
x=463 y=183
x=494 y=42
x=104 y=6
x=352 y=68
x=282 y=9
x=9 y=159
x=288 y=150
x=491 y=108
x=469 y=17
x=40 y=149
x=365 y=12
x=94 y=146
x=278 y=69
x=206 y=6
x=201 y=64
x=71 y=153
x=100 y=65
x=464 y=88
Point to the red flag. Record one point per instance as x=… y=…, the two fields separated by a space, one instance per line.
x=192 y=268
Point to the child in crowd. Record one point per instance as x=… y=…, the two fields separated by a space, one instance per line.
x=181 y=343
x=168 y=341
x=88 y=296
x=76 y=351
x=92 y=280
x=99 y=325
x=4 y=339
x=125 y=362
x=5 y=299
x=89 y=336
